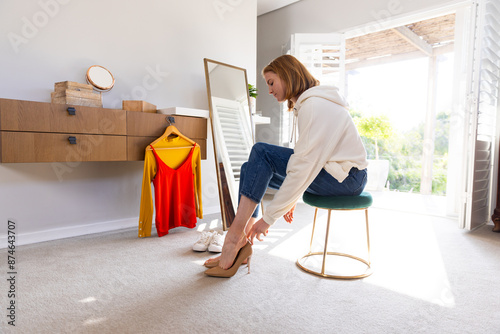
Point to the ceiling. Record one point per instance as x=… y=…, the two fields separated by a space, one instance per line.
x=266 y=6
x=411 y=40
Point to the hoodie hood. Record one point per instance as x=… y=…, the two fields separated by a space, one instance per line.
x=330 y=93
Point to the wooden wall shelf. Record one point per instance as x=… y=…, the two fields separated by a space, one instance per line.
x=48 y=132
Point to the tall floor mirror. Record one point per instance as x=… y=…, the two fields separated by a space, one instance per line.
x=232 y=129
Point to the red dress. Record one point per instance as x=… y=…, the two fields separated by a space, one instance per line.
x=174 y=195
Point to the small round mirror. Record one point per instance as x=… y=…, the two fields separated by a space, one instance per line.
x=100 y=78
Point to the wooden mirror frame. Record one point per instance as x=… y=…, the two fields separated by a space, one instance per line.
x=225 y=161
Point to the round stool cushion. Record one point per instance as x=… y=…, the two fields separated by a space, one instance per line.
x=364 y=200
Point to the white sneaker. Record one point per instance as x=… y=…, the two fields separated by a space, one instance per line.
x=205 y=238
x=217 y=242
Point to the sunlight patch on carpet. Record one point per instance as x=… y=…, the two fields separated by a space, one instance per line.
x=214 y=223
x=289 y=244
x=88 y=300
x=409 y=261
x=94 y=321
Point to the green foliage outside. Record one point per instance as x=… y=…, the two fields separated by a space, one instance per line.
x=404 y=150
x=252 y=91
x=375 y=128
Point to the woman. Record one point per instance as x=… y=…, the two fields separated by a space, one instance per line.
x=328 y=159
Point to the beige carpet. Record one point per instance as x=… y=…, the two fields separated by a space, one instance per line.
x=429 y=277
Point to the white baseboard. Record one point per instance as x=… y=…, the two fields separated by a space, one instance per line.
x=68 y=232
x=78 y=230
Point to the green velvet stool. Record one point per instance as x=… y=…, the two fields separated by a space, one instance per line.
x=361 y=202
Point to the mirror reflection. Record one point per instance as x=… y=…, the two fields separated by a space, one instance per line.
x=232 y=129
x=100 y=78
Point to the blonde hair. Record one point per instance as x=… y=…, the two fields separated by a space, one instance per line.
x=294 y=75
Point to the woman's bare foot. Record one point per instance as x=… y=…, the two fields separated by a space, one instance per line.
x=212 y=260
x=232 y=245
x=216 y=259
x=229 y=251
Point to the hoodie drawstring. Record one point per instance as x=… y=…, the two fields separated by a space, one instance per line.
x=293 y=135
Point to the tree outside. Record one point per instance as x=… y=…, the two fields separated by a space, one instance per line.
x=403 y=149
x=375 y=128
x=399 y=90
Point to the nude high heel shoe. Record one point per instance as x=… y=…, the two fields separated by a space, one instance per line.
x=216 y=263
x=244 y=253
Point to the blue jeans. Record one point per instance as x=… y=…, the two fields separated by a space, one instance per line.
x=266 y=168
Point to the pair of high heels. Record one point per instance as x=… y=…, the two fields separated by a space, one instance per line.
x=244 y=253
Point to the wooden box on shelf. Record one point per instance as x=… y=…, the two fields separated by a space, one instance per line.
x=74 y=93
x=136 y=105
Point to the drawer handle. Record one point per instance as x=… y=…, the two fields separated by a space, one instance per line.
x=71 y=110
x=72 y=139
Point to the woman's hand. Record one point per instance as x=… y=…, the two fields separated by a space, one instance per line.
x=260 y=227
x=289 y=215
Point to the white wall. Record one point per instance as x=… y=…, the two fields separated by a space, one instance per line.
x=320 y=16
x=155 y=50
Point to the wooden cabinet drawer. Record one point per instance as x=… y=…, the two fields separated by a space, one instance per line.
x=38 y=132
x=153 y=125
x=50 y=147
x=16 y=115
x=137 y=145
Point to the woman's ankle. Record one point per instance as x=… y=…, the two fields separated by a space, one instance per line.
x=235 y=237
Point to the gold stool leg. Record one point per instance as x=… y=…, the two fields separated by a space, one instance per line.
x=312 y=234
x=325 y=252
x=367 y=236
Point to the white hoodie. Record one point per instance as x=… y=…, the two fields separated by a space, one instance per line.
x=328 y=139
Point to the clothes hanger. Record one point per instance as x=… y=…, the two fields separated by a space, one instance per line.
x=169 y=131
x=172 y=130
x=169 y=148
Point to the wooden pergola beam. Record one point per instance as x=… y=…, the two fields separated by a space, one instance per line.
x=398 y=57
x=414 y=39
